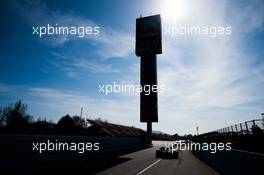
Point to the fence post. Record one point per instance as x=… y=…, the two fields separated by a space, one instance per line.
x=241 y=128
x=254 y=124
x=246 y=127
x=236 y=127
x=262 y=116
x=232 y=128
x=263 y=119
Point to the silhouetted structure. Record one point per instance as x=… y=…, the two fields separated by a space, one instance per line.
x=148 y=44
x=250 y=137
x=105 y=129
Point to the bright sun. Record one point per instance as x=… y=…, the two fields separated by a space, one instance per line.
x=173 y=10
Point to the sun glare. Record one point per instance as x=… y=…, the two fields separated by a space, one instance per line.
x=173 y=10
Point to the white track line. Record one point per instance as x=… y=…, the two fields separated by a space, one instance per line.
x=142 y=171
x=260 y=154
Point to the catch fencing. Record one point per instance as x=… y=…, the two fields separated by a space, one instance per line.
x=243 y=128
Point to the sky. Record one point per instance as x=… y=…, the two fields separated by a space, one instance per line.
x=210 y=82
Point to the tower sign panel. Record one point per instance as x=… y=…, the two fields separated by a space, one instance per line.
x=148 y=44
x=148 y=35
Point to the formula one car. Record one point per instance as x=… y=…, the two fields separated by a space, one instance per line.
x=167 y=153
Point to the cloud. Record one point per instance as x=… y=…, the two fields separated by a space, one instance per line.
x=111 y=43
x=250 y=20
x=116 y=44
x=93 y=67
x=73 y=66
x=4 y=88
x=209 y=80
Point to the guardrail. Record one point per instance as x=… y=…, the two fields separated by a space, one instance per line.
x=242 y=128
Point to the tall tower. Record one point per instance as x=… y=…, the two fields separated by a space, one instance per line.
x=148 y=44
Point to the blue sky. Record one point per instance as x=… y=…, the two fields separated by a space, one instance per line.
x=209 y=82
